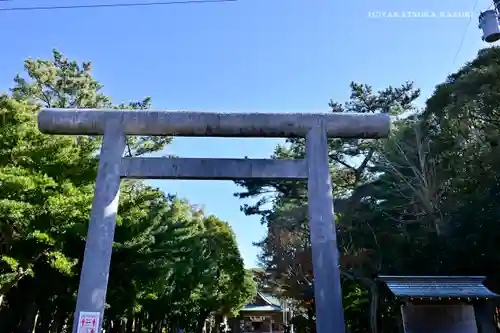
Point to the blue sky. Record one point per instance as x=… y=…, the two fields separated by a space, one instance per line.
x=251 y=55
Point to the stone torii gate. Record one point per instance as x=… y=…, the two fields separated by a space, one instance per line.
x=115 y=125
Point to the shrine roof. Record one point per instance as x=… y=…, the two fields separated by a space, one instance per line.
x=438 y=287
x=260 y=308
x=263 y=302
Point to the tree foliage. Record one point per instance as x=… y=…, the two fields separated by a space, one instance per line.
x=172 y=267
x=421 y=202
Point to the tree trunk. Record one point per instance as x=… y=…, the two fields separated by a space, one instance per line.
x=28 y=319
x=9 y=319
x=58 y=322
x=310 y=319
x=67 y=321
x=37 y=318
x=200 y=321
x=130 y=324
x=117 y=326
x=138 y=325
x=10 y=315
x=218 y=321
x=157 y=326
x=47 y=309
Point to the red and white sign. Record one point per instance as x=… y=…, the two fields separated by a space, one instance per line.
x=88 y=322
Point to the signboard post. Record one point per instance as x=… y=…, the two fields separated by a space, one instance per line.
x=88 y=322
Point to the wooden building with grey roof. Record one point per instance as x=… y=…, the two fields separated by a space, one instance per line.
x=444 y=304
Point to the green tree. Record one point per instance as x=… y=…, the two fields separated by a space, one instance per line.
x=418 y=203
x=61 y=83
x=171 y=263
x=286 y=252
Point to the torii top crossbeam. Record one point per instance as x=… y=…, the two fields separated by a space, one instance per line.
x=188 y=123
